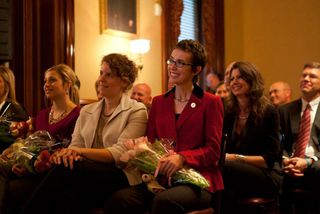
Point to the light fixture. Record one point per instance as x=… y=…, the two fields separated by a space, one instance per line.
x=140 y=47
x=157 y=8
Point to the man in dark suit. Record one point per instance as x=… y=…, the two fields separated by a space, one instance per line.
x=301 y=160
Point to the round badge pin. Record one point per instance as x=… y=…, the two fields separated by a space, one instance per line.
x=193 y=105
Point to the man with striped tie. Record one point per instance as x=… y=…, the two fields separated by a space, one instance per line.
x=300 y=126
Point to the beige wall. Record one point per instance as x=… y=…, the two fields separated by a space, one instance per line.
x=279 y=36
x=91 y=46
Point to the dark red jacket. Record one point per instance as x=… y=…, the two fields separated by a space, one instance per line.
x=197 y=132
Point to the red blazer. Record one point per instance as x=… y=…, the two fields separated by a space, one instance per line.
x=197 y=132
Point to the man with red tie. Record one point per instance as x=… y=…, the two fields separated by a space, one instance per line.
x=300 y=125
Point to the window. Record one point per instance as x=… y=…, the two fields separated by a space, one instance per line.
x=189 y=26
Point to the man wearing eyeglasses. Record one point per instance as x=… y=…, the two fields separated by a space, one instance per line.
x=280 y=93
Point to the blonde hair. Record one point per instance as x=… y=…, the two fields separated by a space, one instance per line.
x=68 y=75
x=9 y=83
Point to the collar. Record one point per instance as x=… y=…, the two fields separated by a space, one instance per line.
x=313 y=104
x=197 y=91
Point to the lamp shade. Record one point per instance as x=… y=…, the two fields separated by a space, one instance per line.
x=140 y=46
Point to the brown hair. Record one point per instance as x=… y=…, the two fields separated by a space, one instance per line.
x=257 y=100
x=122 y=67
x=198 y=52
x=312 y=65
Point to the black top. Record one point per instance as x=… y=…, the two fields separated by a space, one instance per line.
x=10 y=112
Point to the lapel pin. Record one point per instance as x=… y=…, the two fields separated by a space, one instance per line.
x=193 y=105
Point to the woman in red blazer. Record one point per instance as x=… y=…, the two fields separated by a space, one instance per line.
x=193 y=118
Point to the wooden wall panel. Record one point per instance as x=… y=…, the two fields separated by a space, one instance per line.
x=43 y=32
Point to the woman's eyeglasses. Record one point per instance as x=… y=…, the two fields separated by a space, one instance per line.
x=178 y=63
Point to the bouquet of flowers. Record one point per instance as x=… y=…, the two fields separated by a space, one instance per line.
x=145 y=156
x=11 y=130
x=33 y=152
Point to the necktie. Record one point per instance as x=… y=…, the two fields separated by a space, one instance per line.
x=304 y=133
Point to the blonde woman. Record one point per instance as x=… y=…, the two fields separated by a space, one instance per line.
x=61 y=92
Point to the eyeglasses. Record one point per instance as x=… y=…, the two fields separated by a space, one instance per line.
x=178 y=63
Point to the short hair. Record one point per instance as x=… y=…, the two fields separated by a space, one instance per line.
x=9 y=83
x=146 y=86
x=312 y=65
x=68 y=75
x=121 y=66
x=198 y=52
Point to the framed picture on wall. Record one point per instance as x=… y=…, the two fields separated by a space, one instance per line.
x=119 y=17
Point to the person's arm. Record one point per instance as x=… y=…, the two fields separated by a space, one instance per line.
x=267 y=138
x=257 y=161
x=135 y=127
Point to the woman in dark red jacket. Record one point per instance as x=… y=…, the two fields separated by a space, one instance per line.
x=193 y=118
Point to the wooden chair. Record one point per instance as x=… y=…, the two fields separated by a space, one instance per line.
x=216 y=207
x=260 y=204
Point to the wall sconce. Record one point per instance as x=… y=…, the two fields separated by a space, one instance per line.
x=157 y=8
x=140 y=47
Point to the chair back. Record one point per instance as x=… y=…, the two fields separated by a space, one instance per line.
x=223 y=152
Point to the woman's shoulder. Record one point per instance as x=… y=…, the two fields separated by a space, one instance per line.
x=15 y=111
x=128 y=103
x=92 y=107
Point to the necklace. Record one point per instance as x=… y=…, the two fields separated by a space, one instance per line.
x=181 y=100
x=54 y=120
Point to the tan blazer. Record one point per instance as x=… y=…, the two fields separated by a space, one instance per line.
x=128 y=121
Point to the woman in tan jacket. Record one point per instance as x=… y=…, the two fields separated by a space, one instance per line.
x=86 y=173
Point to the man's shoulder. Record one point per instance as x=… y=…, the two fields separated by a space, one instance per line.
x=292 y=105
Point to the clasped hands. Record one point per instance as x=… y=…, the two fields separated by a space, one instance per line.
x=294 y=166
x=67 y=156
x=169 y=164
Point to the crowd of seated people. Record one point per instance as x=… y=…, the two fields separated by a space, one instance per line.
x=272 y=144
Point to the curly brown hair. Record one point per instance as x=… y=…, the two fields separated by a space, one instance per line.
x=122 y=67
x=258 y=102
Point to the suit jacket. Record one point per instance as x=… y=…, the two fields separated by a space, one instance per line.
x=257 y=139
x=128 y=121
x=197 y=132
x=261 y=139
x=290 y=116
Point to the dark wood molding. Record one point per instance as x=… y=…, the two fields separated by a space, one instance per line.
x=211 y=34
x=171 y=28
x=212 y=22
x=43 y=36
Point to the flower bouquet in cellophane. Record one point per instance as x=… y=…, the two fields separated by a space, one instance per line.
x=11 y=130
x=145 y=156
x=33 y=152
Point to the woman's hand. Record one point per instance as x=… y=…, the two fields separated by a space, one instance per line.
x=19 y=170
x=66 y=156
x=170 y=163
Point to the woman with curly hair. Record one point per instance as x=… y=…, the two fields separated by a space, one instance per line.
x=86 y=172
x=251 y=122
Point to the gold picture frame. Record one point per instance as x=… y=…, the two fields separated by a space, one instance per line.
x=120 y=17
